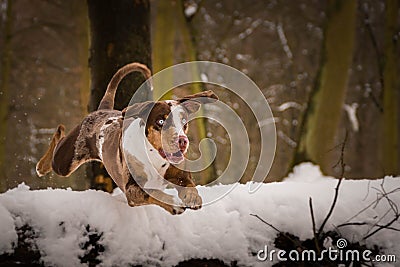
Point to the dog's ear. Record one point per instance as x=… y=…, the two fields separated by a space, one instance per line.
x=138 y=110
x=192 y=102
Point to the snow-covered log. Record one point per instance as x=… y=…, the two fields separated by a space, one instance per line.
x=66 y=228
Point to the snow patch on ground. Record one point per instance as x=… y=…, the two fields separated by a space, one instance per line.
x=224 y=230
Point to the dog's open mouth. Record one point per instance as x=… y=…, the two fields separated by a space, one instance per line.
x=175 y=157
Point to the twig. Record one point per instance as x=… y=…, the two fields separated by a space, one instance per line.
x=267 y=223
x=352 y=223
x=382 y=194
x=276 y=229
x=378 y=57
x=312 y=215
x=377 y=51
x=366 y=195
x=390 y=228
x=392 y=204
x=365 y=223
x=393 y=207
x=321 y=228
x=382 y=227
x=313 y=226
x=342 y=164
x=379 y=220
x=372 y=203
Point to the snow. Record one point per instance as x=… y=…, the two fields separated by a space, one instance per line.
x=284 y=41
x=190 y=10
x=8 y=234
x=288 y=105
x=224 y=230
x=204 y=77
x=289 y=141
x=248 y=31
x=351 y=111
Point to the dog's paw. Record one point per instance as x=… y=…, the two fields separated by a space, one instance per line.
x=176 y=207
x=176 y=210
x=191 y=199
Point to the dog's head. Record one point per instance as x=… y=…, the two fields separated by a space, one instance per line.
x=166 y=122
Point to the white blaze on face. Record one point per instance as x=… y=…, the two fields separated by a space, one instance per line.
x=178 y=116
x=137 y=145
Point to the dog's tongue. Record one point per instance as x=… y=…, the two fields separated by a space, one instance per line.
x=177 y=154
x=175 y=157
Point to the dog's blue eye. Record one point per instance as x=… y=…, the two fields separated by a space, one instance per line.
x=160 y=122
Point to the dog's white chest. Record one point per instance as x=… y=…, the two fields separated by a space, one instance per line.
x=139 y=153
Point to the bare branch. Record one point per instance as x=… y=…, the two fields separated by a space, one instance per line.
x=267 y=223
x=393 y=208
x=380 y=219
x=366 y=195
x=312 y=216
x=276 y=229
x=342 y=164
x=379 y=63
x=381 y=227
x=365 y=223
x=351 y=224
x=313 y=225
x=373 y=203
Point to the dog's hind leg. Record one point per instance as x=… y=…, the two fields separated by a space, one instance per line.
x=44 y=165
x=71 y=152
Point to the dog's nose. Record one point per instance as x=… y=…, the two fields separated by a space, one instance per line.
x=183 y=142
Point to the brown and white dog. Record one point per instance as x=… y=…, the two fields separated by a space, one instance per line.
x=135 y=145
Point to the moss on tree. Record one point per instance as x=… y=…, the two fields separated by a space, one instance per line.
x=324 y=109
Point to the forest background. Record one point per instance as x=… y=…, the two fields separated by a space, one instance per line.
x=329 y=70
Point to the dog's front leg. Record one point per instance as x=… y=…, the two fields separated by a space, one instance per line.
x=187 y=191
x=190 y=197
x=164 y=200
x=137 y=197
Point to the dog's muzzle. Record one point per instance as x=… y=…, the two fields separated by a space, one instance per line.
x=183 y=142
x=176 y=157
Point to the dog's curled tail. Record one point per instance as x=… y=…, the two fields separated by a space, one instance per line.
x=107 y=102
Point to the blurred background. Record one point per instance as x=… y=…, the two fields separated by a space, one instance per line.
x=329 y=70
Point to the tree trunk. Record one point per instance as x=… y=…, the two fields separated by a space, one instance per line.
x=324 y=109
x=81 y=10
x=4 y=84
x=173 y=43
x=391 y=91
x=164 y=43
x=119 y=34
